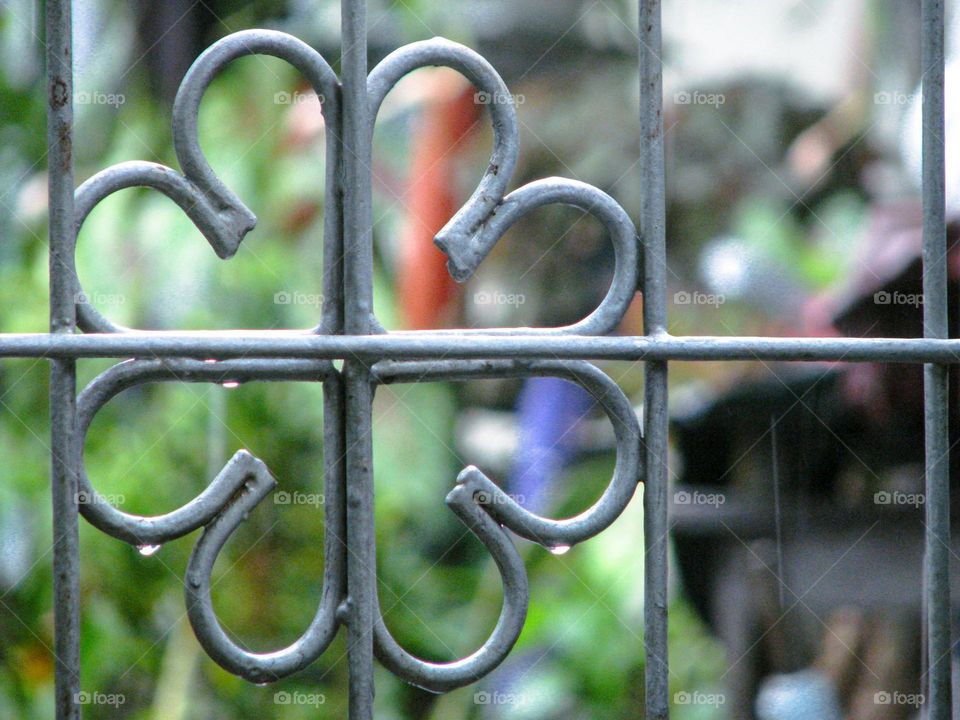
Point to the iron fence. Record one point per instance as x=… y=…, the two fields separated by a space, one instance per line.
x=349 y=331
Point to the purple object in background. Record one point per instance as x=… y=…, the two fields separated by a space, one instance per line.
x=548 y=411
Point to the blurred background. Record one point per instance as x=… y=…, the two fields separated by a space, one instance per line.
x=792 y=131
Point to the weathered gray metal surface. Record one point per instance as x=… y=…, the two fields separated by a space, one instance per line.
x=348 y=330
x=936 y=558
x=656 y=417
x=63 y=370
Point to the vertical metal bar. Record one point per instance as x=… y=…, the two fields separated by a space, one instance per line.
x=652 y=232
x=936 y=589
x=357 y=213
x=361 y=556
x=63 y=479
x=358 y=305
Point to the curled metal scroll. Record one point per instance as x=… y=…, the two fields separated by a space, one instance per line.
x=486 y=510
x=627 y=472
x=216 y=211
x=225 y=502
x=441 y=677
x=471 y=218
x=473 y=231
x=489 y=513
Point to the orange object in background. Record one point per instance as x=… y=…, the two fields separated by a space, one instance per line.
x=424 y=287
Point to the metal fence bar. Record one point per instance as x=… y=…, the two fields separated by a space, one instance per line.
x=358 y=292
x=417 y=346
x=936 y=591
x=63 y=479
x=656 y=418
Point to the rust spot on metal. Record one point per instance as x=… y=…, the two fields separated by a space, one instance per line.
x=58 y=93
x=65 y=138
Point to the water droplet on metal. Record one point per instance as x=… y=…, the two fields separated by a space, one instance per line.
x=148 y=550
x=560 y=549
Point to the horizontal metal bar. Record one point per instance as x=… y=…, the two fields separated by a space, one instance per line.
x=426 y=346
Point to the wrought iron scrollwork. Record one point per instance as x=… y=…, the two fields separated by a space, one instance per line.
x=488 y=512
x=477 y=500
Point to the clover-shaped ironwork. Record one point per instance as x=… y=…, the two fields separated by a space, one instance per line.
x=468 y=237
